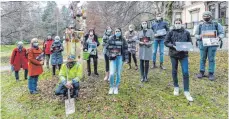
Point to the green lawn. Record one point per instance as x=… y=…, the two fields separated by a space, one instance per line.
x=135 y=100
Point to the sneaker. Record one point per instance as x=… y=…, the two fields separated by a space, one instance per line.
x=188 y=96
x=111 y=91
x=200 y=75
x=211 y=77
x=176 y=91
x=116 y=90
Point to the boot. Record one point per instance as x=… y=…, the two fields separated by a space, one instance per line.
x=162 y=67
x=211 y=77
x=142 y=79
x=200 y=75
x=146 y=79
x=107 y=76
x=154 y=65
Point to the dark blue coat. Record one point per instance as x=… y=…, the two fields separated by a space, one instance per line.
x=56 y=56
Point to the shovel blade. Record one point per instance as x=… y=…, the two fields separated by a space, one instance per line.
x=69 y=106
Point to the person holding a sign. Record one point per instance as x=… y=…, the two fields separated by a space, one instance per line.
x=90 y=45
x=145 y=40
x=179 y=34
x=131 y=37
x=56 y=56
x=34 y=65
x=19 y=60
x=118 y=53
x=208 y=34
x=160 y=29
x=70 y=75
x=106 y=37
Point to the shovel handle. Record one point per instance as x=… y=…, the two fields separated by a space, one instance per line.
x=69 y=95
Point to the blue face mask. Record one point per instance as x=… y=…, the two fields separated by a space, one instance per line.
x=118 y=34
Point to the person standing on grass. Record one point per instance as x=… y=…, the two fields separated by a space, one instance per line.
x=46 y=48
x=118 y=53
x=208 y=51
x=106 y=37
x=36 y=61
x=19 y=60
x=56 y=56
x=70 y=75
x=160 y=29
x=145 y=40
x=179 y=34
x=131 y=37
x=90 y=45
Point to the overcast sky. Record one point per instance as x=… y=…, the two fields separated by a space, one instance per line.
x=61 y=3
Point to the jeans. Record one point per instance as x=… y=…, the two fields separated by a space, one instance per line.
x=184 y=67
x=144 y=68
x=160 y=44
x=47 y=58
x=115 y=67
x=62 y=90
x=134 y=57
x=54 y=69
x=17 y=74
x=32 y=83
x=210 y=53
x=106 y=62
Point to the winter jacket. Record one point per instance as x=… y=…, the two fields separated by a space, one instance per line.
x=85 y=43
x=56 y=56
x=47 y=46
x=117 y=47
x=131 y=38
x=177 y=35
x=76 y=73
x=158 y=25
x=34 y=66
x=105 y=43
x=19 y=59
x=145 y=50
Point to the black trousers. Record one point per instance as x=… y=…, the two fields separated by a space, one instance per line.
x=17 y=74
x=106 y=62
x=54 y=69
x=144 y=68
x=134 y=58
x=95 y=61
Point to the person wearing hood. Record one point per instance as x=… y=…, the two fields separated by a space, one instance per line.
x=179 y=34
x=131 y=37
x=46 y=48
x=208 y=51
x=34 y=65
x=118 y=53
x=106 y=36
x=56 y=56
x=19 y=60
x=70 y=75
x=160 y=29
x=145 y=40
x=90 y=45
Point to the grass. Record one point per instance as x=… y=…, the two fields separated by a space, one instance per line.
x=135 y=100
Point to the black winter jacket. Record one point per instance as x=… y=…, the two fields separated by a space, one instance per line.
x=177 y=35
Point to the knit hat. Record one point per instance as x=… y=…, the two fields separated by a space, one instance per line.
x=207 y=14
x=71 y=58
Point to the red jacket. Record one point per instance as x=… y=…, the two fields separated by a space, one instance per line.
x=19 y=59
x=47 y=46
x=35 y=68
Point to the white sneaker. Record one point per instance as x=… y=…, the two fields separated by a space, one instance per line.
x=111 y=91
x=188 y=96
x=176 y=91
x=115 y=90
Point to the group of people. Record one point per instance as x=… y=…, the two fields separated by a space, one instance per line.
x=119 y=48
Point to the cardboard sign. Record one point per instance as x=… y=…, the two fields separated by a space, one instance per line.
x=92 y=48
x=184 y=46
x=209 y=38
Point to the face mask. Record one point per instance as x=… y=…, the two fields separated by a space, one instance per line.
x=56 y=41
x=91 y=33
x=20 y=47
x=206 y=19
x=70 y=64
x=108 y=32
x=130 y=29
x=178 y=26
x=35 y=44
x=158 y=18
x=118 y=34
x=144 y=26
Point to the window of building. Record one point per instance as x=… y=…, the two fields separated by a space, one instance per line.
x=212 y=9
x=222 y=9
x=194 y=16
